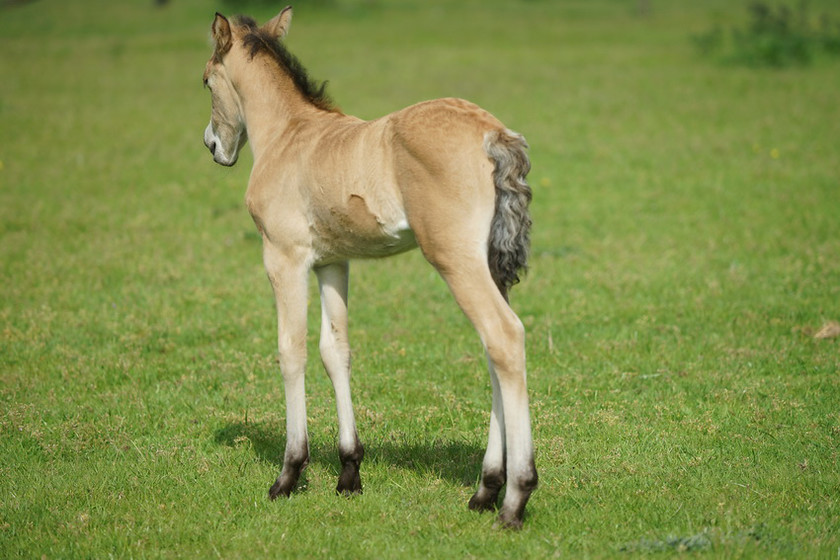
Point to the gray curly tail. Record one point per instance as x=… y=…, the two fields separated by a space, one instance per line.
x=510 y=230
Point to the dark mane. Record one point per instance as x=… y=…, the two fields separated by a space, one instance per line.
x=258 y=41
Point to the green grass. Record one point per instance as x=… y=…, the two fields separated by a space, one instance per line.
x=686 y=248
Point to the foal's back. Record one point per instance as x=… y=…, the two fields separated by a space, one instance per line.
x=369 y=185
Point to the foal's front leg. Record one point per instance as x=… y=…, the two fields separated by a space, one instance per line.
x=335 y=353
x=288 y=276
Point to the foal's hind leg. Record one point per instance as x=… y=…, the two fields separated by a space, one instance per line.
x=503 y=336
x=335 y=353
x=493 y=466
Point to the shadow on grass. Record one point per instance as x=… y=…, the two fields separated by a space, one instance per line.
x=458 y=462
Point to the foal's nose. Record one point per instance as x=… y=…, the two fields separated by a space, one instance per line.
x=210 y=139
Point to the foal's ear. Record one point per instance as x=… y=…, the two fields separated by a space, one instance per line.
x=220 y=32
x=278 y=26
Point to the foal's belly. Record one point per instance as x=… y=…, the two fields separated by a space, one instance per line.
x=355 y=230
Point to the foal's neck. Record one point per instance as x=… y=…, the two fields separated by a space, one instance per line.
x=271 y=102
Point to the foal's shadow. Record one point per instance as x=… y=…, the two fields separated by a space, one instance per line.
x=458 y=462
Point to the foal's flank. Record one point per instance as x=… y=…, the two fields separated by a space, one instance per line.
x=444 y=175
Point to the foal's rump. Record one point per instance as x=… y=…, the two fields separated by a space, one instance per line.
x=462 y=172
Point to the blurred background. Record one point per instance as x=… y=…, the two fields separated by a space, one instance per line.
x=681 y=306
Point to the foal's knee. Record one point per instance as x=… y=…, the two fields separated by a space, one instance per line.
x=292 y=357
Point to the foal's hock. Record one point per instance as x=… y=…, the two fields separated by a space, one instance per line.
x=326 y=187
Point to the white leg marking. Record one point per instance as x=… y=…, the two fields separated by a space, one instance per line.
x=335 y=353
x=335 y=347
x=288 y=278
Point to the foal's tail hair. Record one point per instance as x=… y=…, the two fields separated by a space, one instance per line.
x=510 y=230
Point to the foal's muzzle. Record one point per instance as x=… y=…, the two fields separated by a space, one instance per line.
x=214 y=144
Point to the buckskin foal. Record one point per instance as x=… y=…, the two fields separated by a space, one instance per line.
x=327 y=187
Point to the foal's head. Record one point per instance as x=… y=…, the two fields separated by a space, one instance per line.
x=226 y=133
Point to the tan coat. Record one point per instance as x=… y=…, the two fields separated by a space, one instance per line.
x=444 y=175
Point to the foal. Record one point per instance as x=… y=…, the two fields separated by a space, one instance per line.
x=326 y=187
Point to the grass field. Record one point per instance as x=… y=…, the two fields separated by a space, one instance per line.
x=686 y=250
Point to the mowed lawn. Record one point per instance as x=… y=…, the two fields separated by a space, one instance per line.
x=685 y=274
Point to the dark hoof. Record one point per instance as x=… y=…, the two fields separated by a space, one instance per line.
x=279 y=489
x=349 y=482
x=483 y=503
x=510 y=518
x=508 y=524
x=289 y=476
x=349 y=492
